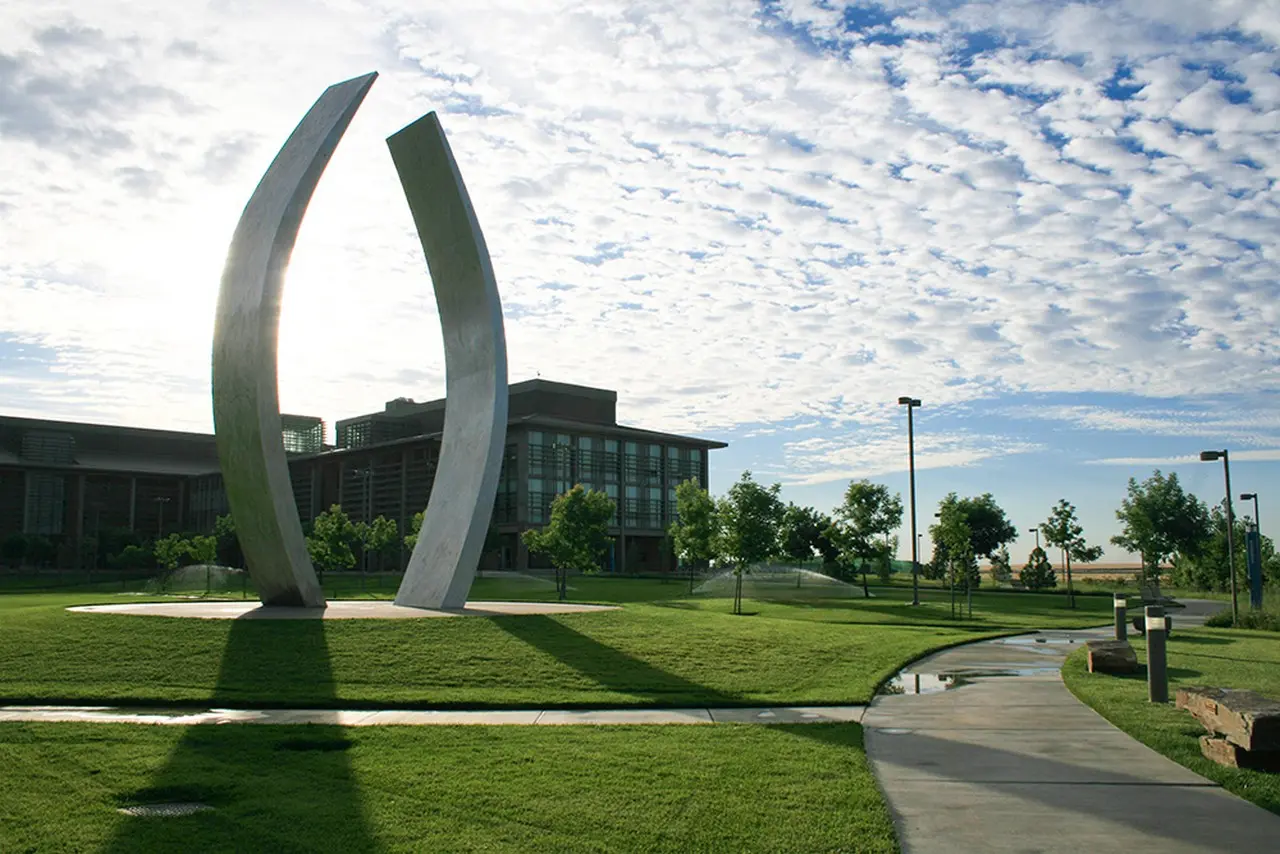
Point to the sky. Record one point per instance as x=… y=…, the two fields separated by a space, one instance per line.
x=762 y=222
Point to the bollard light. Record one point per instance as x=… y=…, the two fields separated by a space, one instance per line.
x=1157 y=656
x=1121 y=604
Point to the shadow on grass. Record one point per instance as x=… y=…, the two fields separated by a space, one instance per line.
x=286 y=788
x=1202 y=640
x=609 y=667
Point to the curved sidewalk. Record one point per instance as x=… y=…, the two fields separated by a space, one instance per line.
x=1008 y=760
x=433 y=717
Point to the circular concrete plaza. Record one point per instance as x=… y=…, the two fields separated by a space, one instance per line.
x=336 y=610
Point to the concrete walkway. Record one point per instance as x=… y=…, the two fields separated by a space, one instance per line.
x=1002 y=758
x=391 y=717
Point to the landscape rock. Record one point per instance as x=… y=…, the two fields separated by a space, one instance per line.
x=1111 y=656
x=1245 y=718
x=1225 y=753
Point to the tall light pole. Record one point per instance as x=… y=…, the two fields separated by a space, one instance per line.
x=1036 y=531
x=1209 y=457
x=161 y=501
x=1257 y=519
x=911 y=403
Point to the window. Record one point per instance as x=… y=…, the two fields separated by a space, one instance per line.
x=696 y=455
x=655 y=450
x=584 y=443
x=673 y=452
x=535 y=437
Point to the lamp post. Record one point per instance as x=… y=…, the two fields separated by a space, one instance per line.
x=1257 y=519
x=1036 y=531
x=1253 y=553
x=161 y=501
x=911 y=403
x=1209 y=457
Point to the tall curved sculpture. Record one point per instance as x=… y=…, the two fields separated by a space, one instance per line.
x=449 y=545
x=246 y=400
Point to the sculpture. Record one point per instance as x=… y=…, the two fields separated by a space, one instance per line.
x=246 y=407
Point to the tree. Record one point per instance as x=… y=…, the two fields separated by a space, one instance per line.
x=864 y=521
x=749 y=518
x=382 y=537
x=415 y=525
x=799 y=532
x=331 y=539
x=1001 y=567
x=1038 y=573
x=577 y=537
x=826 y=543
x=14 y=549
x=40 y=550
x=694 y=531
x=953 y=534
x=1208 y=569
x=1158 y=521
x=229 y=552
x=170 y=551
x=1063 y=531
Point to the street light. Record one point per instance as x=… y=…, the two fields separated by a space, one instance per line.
x=161 y=501
x=1257 y=519
x=1036 y=531
x=1209 y=457
x=911 y=403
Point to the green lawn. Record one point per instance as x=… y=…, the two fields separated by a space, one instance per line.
x=680 y=652
x=284 y=789
x=1227 y=658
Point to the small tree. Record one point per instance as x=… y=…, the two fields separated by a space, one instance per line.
x=227 y=542
x=749 y=518
x=1038 y=573
x=14 y=549
x=864 y=521
x=577 y=537
x=1159 y=520
x=1001 y=568
x=799 y=532
x=694 y=531
x=170 y=551
x=415 y=525
x=202 y=549
x=1063 y=531
x=382 y=538
x=329 y=544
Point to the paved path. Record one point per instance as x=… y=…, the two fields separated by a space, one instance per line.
x=1008 y=760
x=373 y=717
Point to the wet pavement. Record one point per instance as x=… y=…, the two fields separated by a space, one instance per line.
x=993 y=754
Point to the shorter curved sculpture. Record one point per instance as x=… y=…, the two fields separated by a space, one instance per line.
x=246 y=400
x=450 y=543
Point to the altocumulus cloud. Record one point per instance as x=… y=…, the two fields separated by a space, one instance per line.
x=741 y=214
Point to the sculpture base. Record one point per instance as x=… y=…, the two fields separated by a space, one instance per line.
x=339 y=609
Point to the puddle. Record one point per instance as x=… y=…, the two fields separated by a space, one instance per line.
x=907 y=682
x=1037 y=641
x=921 y=683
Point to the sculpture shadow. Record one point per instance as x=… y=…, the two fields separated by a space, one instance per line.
x=272 y=788
x=609 y=667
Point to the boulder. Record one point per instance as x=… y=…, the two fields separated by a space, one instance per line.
x=1225 y=753
x=1245 y=718
x=1111 y=656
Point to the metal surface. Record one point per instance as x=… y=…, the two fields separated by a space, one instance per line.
x=246 y=404
x=1157 y=673
x=451 y=540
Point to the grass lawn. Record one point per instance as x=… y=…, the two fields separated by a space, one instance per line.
x=802 y=788
x=680 y=652
x=1226 y=658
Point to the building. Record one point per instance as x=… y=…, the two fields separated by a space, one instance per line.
x=53 y=474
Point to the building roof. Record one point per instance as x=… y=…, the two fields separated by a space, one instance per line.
x=653 y=435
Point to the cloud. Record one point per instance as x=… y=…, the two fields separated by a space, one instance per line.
x=1257 y=456
x=737 y=214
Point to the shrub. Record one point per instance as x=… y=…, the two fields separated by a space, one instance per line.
x=1264 y=620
